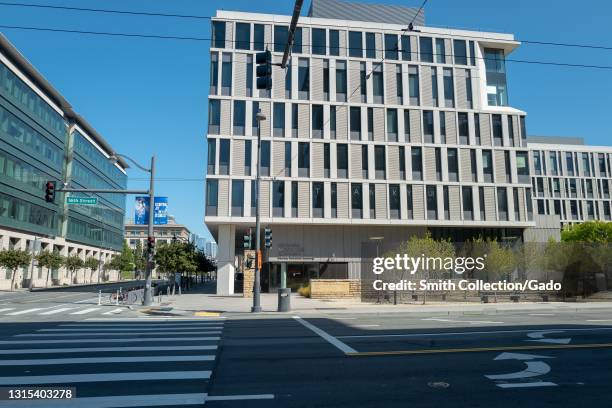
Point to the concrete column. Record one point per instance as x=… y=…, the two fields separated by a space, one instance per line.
x=225 y=268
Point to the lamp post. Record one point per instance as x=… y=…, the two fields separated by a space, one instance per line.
x=257 y=281
x=148 y=295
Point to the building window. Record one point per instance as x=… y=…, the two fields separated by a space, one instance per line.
x=391 y=48
x=406 y=49
x=212 y=154
x=440 y=51
x=355 y=122
x=442 y=115
x=247 y=157
x=334 y=42
x=417 y=163
x=392 y=125
x=522 y=167
x=317 y=121
x=294 y=198
x=468 y=89
x=218 y=34
x=318 y=41
x=226 y=74
x=212 y=193
x=511 y=131
x=377 y=84
x=410 y=202
x=446 y=201
x=294 y=120
x=297 y=41
x=253 y=198
x=249 y=76
x=288 y=80
x=426 y=49
x=214 y=73
x=258 y=37
x=569 y=164
x=214 y=116
x=449 y=93
x=413 y=84
x=379 y=162
x=243 y=36
x=341 y=85
x=370 y=43
x=432 y=203
x=453 y=165
x=370 y=124
x=434 y=85
x=507 y=166
x=355 y=45
x=288 y=159
x=303 y=79
x=342 y=160
x=317 y=200
x=239 y=117
x=468 y=206
x=326 y=160
x=332 y=122
x=498 y=136
x=481 y=202
x=279 y=119
x=428 y=126
x=464 y=128
x=372 y=200
x=496 y=77
x=438 y=158
x=406 y=125
x=326 y=80
x=502 y=203
x=460 y=52
x=356 y=200
x=237 y=198
x=281 y=34
x=363 y=82
x=394 y=201
x=278 y=199
x=399 y=84
x=265 y=158
x=334 y=200
x=402 y=162
x=515 y=198
x=303 y=159
x=473 y=165
x=487 y=166
x=224 y=156
x=477 y=129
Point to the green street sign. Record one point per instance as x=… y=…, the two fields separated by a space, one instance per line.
x=82 y=200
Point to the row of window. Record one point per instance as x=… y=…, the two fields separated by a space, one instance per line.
x=85 y=177
x=99 y=161
x=556 y=163
x=358 y=192
x=574 y=210
x=323 y=41
x=571 y=187
x=22 y=214
x=367 y=123
x=93 y=234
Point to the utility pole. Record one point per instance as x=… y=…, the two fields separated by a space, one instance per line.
x=148 y=295
x=257 y=281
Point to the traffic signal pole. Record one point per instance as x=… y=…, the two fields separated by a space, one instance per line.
x=148 y=292
x=257 y=281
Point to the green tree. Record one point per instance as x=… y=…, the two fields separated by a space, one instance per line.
x=176 y=257
x=593 y=232
x=92 y=264
x=73 y=263
x=140 y=257
x=13 y=259
x=50 y=260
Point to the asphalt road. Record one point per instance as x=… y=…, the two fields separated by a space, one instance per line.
x=328 y=359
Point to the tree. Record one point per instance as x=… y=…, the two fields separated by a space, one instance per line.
x=50 y=260
x=73 y=263
x=91 y=263
x=593 y=232
x=140 y=257
x=176 y=257
x=13 y=259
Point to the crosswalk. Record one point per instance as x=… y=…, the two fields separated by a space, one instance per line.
x=61 y=310
x=115 y=362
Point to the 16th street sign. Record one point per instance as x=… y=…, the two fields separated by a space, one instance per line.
x=82 y=200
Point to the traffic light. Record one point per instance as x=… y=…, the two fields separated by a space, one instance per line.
x=268 y=237
x=264 y=69
x=247 y=241
x=50 y=192
x=150 y=244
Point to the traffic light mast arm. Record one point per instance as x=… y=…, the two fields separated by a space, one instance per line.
x=294 y=19
x=100 y=190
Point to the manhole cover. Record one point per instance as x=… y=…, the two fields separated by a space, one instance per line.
x=438 y=384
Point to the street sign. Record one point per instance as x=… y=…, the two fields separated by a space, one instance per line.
x=82 y=200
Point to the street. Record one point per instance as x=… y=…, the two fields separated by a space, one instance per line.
x=326 y=358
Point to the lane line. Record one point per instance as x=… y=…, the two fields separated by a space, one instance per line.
x=541 y=314
x=462 y=321
x=152 y=318
x=54 y=311
x=118 y=401
x=80 y=312
x=325 y=336
x=102 y=360
x=133 y=333
x=114 y=311
x=122 y=329
x=600 y=320
x=7 y=309
x=123 y=340
x=20 y=312
x=103 y=349
x=94 y=300
x=527 y=385
x=239 y=397
x=469 y=333
x=478 y=349
x=132 y=325
x=103 y=377
x=367 y=325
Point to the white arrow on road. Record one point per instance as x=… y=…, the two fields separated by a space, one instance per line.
x=534 y=369
x=518 y=356
x=538 y=336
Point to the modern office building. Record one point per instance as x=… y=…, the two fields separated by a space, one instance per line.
x=41 y=139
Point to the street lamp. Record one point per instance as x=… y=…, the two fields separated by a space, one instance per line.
x=148 y=296
x=257 y=281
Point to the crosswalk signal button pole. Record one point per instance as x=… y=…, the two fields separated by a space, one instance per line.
x=264 y=69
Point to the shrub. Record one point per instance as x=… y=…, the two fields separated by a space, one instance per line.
x=304 y=291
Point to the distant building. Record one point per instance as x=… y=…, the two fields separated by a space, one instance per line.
x=164 y=234
x=43 y=139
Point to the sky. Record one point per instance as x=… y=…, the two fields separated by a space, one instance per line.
x=149 y=96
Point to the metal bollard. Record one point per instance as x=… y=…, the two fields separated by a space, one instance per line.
x=173 y=290
x=179 y=292
x=117 y=299
x=168 y=290
x=99 y=297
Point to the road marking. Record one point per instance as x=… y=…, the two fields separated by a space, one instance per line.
x=118 y=401
x=123 y=340
x=478 y=349
x=80 y=312
x=327 y=337
x=96 y=360
x=239 y=397
x=20 y=312
x=592 y=320
x=87 y=300
x=534 y=369
x=103 y=349
x=367 y=325
x=133 y=333
x=539 y=336
x=131 y=325
x=114 y=311
x=54 y=311
x=528 y=385
x=80 y=378
x=469 y=333
x=462 y=321
x=541 y=314
x=152 y=318
x=122 y=329
x=7 y=309
x=518 y=356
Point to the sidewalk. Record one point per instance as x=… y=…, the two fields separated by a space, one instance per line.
x=204 y=300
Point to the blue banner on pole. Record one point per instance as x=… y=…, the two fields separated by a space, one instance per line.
x=160 y=211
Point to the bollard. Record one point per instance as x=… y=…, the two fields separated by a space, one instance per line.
x=168 y=290
x=117 y=299
x=179 y=292
x=99 y=297
x=173 y=290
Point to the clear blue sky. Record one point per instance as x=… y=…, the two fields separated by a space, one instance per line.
x=149 y=96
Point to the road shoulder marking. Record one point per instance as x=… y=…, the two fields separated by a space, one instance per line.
x=326 y=336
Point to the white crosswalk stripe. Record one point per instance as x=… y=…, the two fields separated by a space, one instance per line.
x=132 y=333
x=20 y=312
x=140 y=329
x=55 y=311
x=114 y=311
x=80 y=312
x=6 y=309
x=102 y=377
x=119 y=401
x=89 y=360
